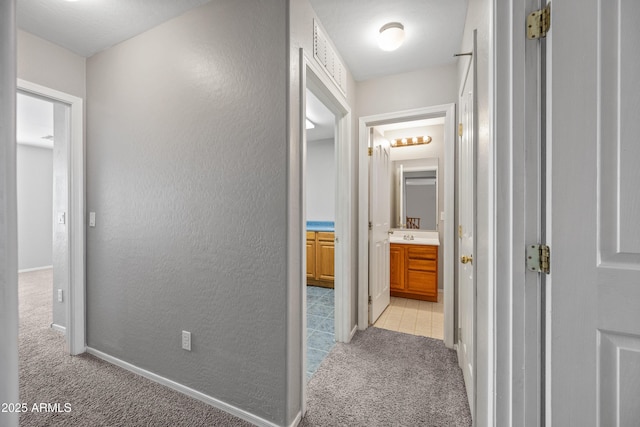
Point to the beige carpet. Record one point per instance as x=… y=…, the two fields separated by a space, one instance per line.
x=385 y=378
x=99 y=394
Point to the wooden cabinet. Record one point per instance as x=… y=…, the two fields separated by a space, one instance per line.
x=414 y=271
x=320 y=258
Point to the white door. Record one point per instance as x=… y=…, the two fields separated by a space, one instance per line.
x=380 y=220
x=593 y=313
x=466 y=231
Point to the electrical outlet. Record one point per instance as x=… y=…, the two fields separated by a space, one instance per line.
x=186 y=340
x=59 y=295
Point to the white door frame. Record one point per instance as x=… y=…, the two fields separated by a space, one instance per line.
x=75 y=307
x=448 y=111
x=311 y=76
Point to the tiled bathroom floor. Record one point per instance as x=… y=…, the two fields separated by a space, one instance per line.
x=414 y=317
x=320 y=326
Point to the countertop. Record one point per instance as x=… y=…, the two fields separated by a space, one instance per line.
x=321 y=226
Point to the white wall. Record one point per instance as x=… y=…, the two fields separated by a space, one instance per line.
x=416 y=89
x=35 y=204
x=321 y=180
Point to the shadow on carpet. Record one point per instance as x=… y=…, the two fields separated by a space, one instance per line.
x=386 y=378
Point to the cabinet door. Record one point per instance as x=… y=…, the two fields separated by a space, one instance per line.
x=396 y=256
x=325 y=254
x=311 y=258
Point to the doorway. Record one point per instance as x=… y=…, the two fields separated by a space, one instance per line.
x=68 y=216
x=414 y=195
x=315 y=83
x=399 y=121
x=320 y=213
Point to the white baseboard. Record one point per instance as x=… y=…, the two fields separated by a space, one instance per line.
x=296 y=420
x=58 y=328
x=240 y=413
x=353 y=332
x=28 y=270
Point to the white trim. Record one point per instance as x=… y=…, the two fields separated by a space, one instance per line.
x=29 y=270
x=449 y=113
x=233 y=410
x=75 y=308
x=59 y=328
x=353 y=332
x=296 y=420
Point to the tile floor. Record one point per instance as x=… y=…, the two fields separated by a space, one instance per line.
x=320 y=326
x=414 y=317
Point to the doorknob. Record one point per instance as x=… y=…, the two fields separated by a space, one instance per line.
x=466 y=259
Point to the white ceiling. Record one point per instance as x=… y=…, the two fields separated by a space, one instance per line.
x=322 y=118
x=433 y=33
x=34 y=121
x=89 y=26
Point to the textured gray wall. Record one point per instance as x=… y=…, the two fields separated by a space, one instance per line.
x=8 y=216
x=35 y=201
x=187 y=173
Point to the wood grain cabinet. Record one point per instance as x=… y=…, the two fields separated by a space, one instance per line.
x=414 y=271
x=320 y=258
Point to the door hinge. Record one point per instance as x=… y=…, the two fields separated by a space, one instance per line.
x=370 y=151
x=539 y=23
x=539 y=258
x=370 y=299
x=370 y=226
x=459 y=334
x=459 y=129
x=460 y=231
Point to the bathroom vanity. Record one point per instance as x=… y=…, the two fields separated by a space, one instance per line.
x=414 y=267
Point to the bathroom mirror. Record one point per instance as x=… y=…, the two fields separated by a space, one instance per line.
x=417 y=190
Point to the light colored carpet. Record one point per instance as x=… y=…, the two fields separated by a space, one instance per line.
x=387 y=378
x=382 y=378
x=100 y=394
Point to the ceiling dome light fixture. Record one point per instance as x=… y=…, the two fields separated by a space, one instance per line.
x=391 y=36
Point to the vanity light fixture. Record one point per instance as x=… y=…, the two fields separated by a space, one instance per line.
x=408 y=142
x=309 y=124
x=391 y=36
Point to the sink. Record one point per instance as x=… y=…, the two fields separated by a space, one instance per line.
x=409 y=237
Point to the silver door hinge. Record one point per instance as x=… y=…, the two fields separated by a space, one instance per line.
x=539 y=23
x=539 y=258
x=459 y=334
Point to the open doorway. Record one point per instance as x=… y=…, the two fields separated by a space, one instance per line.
x=415 y=197
x=443 y=163
x=40 y=190
x=320 y=208
x=52 y=120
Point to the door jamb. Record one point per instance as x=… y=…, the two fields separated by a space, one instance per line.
x=449 y=112
x=75 y=307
